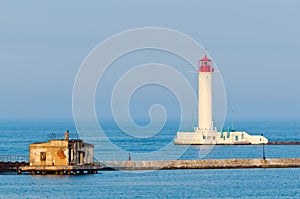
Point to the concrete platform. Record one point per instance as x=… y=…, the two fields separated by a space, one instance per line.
x=62 y=170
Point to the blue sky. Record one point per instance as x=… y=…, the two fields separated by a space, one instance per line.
x=255 y=44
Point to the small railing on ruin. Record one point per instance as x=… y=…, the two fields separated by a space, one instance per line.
x=61 y=136
x=13 y=158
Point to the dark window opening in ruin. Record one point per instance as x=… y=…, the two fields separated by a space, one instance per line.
x=43 y=156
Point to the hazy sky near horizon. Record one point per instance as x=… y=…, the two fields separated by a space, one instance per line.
x=256 y=45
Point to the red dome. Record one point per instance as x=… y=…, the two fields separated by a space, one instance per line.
x=205 y=58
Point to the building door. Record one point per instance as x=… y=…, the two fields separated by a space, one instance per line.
x=80 y=160
x=43 y=158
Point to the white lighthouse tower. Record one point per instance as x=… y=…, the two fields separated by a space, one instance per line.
x=205 y=71
x=205 y=133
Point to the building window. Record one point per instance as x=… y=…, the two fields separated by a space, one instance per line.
x=236 y=138
x=214 y=137
x=43 y=156
x=204 y=137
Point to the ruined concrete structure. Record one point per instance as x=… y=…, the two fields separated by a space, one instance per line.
x=62 y=152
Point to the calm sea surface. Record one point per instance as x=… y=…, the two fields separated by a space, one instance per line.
x=15 y=136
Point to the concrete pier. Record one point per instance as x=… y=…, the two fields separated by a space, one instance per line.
x=11 y=166
x=204 y=164
x=284 y=143
x=163 y=165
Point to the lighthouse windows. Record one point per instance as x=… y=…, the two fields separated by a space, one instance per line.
x=204 y=68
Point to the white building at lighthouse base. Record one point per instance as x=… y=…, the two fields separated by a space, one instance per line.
x=211 y=137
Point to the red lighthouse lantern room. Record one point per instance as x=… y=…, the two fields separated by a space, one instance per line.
x=205 y=65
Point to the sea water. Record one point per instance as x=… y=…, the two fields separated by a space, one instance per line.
x=16 y=135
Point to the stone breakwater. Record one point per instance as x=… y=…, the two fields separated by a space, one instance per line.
x=161 y=165
x=203 y=164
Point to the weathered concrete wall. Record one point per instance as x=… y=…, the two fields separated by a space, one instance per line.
x=89 y=153
x=56 y=153
x=81 y=152
x=204 y=164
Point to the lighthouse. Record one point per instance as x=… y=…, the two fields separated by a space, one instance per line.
x=205 y=133
x=205 y=71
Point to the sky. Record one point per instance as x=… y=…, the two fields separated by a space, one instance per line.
x=255 y=44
